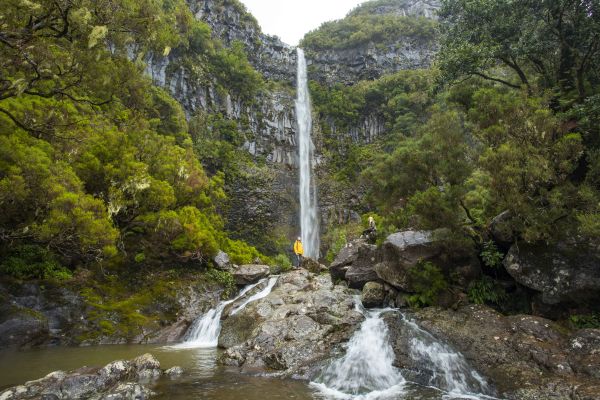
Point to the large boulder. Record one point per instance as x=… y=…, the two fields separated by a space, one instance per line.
x=312 y=265
x=568 y=271
x=501 y=230
x=250 y=273
x=401 y=251
x=344 y=259
x=21 y=327
x=361 y=270
x=222 y=261
x=373 y=295
x=298 y=324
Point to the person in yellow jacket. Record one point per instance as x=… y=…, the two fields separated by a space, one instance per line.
x=298 y=250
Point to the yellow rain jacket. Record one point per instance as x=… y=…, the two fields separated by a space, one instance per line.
x=298 y=249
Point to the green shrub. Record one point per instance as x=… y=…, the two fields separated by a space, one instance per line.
x=241 y=253
x=283 y=261
x=33 y=262
x=582 y=321
x=428 y=282
x=224 y=279
x=486 y=290
x=140 y=257
x=490 y=255
x=338 y=241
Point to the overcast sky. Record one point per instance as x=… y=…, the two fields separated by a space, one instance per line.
x=291 y=19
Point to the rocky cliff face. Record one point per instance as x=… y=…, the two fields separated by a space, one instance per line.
x=385 y=53
x=269 y=119
x=230 y=22
x=405 y=8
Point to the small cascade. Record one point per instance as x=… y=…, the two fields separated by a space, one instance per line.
x=366 y=371
x=204 y=332
x=263 y=293
x=449 y=369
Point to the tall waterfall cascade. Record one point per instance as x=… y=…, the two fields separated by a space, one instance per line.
x=309 y=221
x=366 y=371
x=204 y=332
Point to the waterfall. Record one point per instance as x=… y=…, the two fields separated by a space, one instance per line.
x=263 y=293
x=449 y=369
x=309 y=222
x=367 y=371
x=204 y=332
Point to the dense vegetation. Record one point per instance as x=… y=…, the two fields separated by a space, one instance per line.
x=362 y=29
x=505 y=121
x=97 y=165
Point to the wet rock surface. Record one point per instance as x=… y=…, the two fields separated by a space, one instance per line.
x=524 y=357
x=295 y=326
x=568 y=271
x=250 y=273
x=118 y=380
x=373 y=295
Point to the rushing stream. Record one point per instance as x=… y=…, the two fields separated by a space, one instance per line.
x=364 y=372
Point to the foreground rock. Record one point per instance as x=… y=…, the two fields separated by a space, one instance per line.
x=294 y=327
x=566 y=272
x=119 y=380
x=392 y=263
x=354 y=264
x=251 y=273
x=402 y=251
x=313 y=266
x=525 y=357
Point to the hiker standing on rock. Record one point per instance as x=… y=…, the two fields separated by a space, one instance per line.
x=298 y=250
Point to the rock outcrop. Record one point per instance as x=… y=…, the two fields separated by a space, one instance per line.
x=370 y=60
x=391 y=264
x=354 y=264
x=525 y=357
x=568 y=271
x=53 y=314
x=402 y=251
x=251 y=273
x=294 y=327
x=119 y=380
x=373 y=295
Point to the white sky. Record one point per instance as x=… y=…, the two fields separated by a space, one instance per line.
x=291 y=19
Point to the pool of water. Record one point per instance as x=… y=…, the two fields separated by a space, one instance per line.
x=203 y=379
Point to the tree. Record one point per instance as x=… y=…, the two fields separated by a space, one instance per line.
x=551 y=44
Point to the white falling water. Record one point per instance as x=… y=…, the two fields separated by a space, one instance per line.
x=366 y=371
x=204 y=332
x=309 y=222
x=263 y=293
x=450 y=371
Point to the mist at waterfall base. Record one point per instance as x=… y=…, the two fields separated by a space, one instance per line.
x=309 y=221
x=366 y=370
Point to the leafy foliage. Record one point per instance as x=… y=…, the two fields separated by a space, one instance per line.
x=95 y=162
x=360 y=29
x=490 y=255
x=551 y=44
x=223 y=278
x=32 y=262
x=585 y=321
x=486 y=291
x=427 y=281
